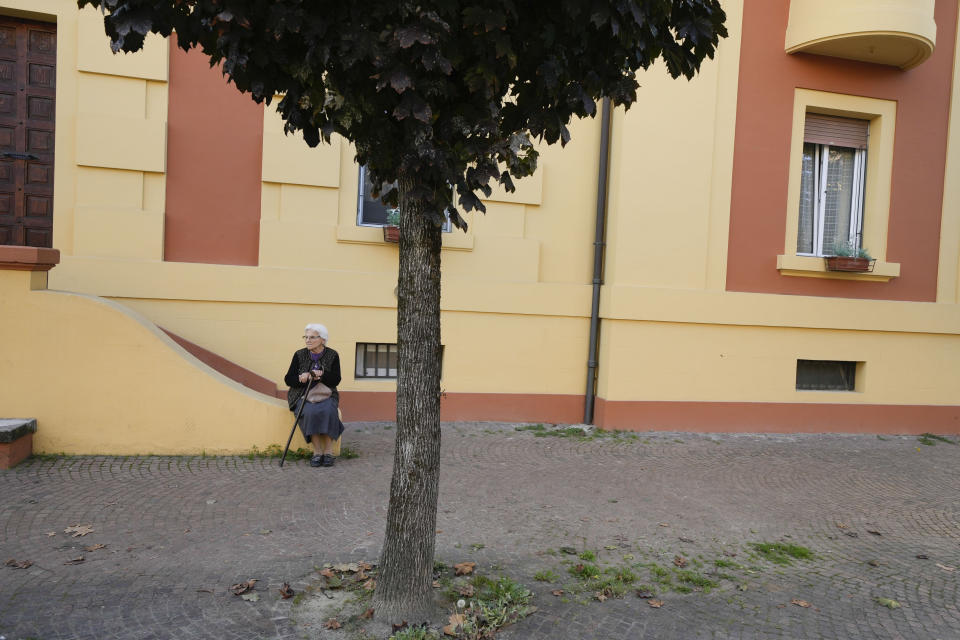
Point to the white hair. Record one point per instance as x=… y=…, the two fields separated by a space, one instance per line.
x=320 y=329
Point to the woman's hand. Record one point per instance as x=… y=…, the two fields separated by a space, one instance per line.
x=317 y=374
x=304 y=377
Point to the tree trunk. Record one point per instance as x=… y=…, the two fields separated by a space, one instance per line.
x=404 y=590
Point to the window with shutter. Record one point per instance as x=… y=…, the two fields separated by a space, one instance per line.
x=833 y=171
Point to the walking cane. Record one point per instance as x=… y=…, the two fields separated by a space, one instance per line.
x=303 y=401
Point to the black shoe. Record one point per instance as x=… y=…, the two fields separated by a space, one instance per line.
x=316 y=461
x=328 y=460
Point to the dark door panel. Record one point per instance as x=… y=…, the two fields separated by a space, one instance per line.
x=28 y=59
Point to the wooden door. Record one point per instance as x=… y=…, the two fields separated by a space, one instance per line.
x=28 y=64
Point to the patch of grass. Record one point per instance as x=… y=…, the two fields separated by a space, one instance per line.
x=929 y=438
x=530 y=427
x=276 y=451
x=588 y=556
x=781 y=553
x=568 y=432
x=697 y=580
x=546 y=576
x=476 y=546
x=584 y=571
x=723 y=563
x=348 y=453
x=417 y=633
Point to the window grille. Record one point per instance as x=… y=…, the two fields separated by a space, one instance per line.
x=376 y=360
x=826 y=375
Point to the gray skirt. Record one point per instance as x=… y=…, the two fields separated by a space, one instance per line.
x=321 y=418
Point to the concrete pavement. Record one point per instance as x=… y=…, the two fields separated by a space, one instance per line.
x=177 y=531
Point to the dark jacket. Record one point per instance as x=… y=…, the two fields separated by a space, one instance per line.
x=301 y=363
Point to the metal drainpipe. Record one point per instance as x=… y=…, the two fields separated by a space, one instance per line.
x=598 y=251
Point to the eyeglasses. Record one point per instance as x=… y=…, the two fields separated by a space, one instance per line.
x=311 y=337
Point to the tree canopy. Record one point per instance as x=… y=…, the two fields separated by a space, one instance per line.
x=452 y=91
x=433 y=94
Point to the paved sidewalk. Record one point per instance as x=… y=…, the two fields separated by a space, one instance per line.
x=178 y=531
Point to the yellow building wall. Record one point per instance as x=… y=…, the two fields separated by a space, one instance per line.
x=517 y=285
x=101 y=379
x=682 y=362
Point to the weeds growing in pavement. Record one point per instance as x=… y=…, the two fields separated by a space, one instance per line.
x=781 y=553
x=582 y=434
x=931 y=439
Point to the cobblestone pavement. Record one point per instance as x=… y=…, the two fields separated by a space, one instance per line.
x=179 y=530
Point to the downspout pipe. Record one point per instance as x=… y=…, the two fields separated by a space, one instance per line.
x=598 y=253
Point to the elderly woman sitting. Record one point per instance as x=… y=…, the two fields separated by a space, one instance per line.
x=318 y=367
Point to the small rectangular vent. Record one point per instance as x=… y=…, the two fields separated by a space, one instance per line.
x=826 y=375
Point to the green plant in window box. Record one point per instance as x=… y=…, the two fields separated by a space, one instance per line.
x=391 y=230
x=847 y=256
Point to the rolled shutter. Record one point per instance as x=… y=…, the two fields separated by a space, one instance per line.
x=835 y=131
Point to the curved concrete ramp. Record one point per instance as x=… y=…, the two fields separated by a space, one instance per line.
x=99 y=378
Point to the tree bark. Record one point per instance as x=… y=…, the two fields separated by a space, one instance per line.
x=404 y=590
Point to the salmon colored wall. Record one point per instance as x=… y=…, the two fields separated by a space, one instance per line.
x=214 y=156
x=777 y=417
x=768 y=77
x=363 y=406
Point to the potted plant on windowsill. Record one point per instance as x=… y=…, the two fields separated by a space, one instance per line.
x=391 y=230
x=849 y=257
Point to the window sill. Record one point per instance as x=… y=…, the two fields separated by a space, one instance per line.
x=454 y=240
x=811 y=267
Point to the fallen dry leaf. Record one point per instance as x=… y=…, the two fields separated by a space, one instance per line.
x=368 y=614
x=50 y=534
x=364 y=566
x=643 y=593
x=286 y=591
x=874 y=532
x=399 y=627
x=680 y=561
x=370 y=585
x=352 y=567
x=332 y=623
x=685 y=539
x=889 y=603
x=328 y=573
x=800 y=603
x=599 y=595
x=94 y=547
x=251 y=597
x=466 y=590
x=243 y=587
x=656 y=604
x=664 y=524
x=79 y=530
x=23 y=564
x=76 y=560
x=557 y=592
x=464 y=568
x=456 y=623
x=922 y=556
x=946 y=568
x=436 y=584
x=360 y=576
x=842 y=525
